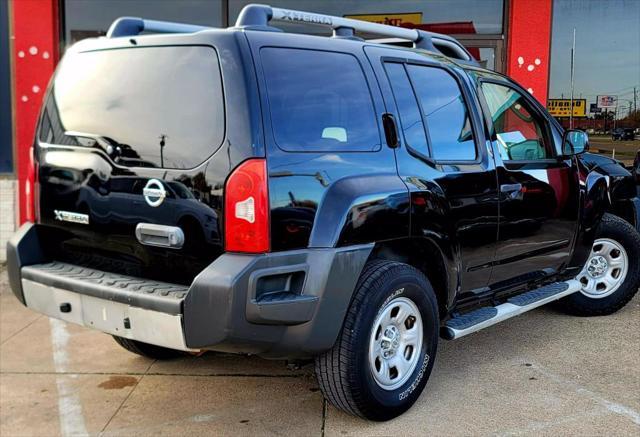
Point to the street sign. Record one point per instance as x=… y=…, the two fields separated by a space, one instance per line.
x=607 y=101
x=562 y=107
x=593 y=108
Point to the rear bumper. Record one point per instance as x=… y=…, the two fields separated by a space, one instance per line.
x=285 y=305
x=108 y=316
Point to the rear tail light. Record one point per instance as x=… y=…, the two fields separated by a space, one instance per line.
x=30 y=187
x=246 y=208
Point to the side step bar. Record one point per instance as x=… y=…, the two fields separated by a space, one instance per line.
x=476 y=320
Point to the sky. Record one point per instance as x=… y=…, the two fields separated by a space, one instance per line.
x=607 y=58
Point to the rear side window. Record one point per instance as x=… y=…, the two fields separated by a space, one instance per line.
x=319 y=101
x=445 y=113
x=410 y=118
x=155 y=106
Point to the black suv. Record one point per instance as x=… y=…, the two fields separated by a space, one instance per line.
x=622 y=134
x=292 y=196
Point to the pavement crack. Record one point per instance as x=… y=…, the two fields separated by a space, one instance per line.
x=611 y=406
x=324 y=416
x=126 y=397
x=121 y=405
x=21 y=329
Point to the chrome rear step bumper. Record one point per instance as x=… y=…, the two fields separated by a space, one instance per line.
x=481 y=318
x=135 y=323
x=134 y=308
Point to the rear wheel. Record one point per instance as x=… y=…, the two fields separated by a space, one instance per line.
x=386 y=350
x=148 y=350
x=611 y=275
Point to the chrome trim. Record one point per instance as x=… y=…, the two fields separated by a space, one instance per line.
x=71 y=217
x=160 y=235
x=154 y=192
x=144 y=325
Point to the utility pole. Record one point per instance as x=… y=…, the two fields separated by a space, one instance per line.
x=573 y=52
x=635 y=108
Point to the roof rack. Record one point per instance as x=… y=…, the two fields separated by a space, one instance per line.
x=257 y=17
x=131 y=26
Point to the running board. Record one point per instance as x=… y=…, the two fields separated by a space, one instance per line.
x=476 y=320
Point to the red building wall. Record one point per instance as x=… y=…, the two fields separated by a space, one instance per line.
x=529 y=45
x=35 y=25
x=34 y=56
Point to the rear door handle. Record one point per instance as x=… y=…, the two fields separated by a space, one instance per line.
x=160 y=235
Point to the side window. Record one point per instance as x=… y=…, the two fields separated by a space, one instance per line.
x=409 y=112
x=319 y=101
x=445 y=113
x=519 y=135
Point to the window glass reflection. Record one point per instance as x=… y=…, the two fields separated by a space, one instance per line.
x=410 y=118
x=319 y=101
x=445 y=112
x=518 y=133
x=157 y=107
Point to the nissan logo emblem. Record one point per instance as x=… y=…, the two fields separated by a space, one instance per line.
x=154 y=192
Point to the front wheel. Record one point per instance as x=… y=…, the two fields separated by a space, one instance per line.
x=611 y=276
x=383 y=357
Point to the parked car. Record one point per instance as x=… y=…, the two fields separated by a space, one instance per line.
x=622 y=134
x=636 y=170
x=358 y=201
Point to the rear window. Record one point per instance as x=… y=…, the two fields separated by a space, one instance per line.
x=150 y=107
x=319 y=101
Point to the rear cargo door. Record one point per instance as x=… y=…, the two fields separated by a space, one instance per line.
x=132 y=136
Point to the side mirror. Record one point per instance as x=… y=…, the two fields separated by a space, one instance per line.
x=574 y=142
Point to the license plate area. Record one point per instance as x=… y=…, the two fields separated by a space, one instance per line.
x=115 y=318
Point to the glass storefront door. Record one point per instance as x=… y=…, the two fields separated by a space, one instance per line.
x=489 y=51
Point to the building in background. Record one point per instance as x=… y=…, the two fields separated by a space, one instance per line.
x=530 y=40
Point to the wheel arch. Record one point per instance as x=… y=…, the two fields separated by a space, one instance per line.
x=425 y=255
x=628 y=210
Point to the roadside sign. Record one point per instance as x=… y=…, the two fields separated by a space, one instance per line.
x=562 y=107
x=400 y=20
x=593 y=108
x=607 y=101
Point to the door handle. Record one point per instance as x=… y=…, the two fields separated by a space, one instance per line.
x=390 y=130
x=513 y=191
x=159 y=235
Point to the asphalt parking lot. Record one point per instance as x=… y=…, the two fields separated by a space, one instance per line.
x=543 y=373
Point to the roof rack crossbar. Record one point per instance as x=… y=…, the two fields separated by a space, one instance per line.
x=255 y=16
x=131 y=26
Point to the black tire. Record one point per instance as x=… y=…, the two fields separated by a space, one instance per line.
x=148 y=350
x=344 y=373
x=616 y=229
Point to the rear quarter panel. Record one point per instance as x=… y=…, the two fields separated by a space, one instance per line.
x=330 y=199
